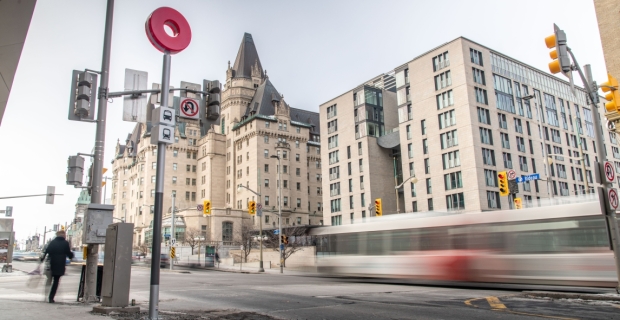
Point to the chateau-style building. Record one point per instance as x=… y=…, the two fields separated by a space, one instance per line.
x=211 y=157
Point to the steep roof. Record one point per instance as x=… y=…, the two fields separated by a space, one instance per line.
x=307 y=117
x=84 y=197
x=262 y=103
x=246 y=58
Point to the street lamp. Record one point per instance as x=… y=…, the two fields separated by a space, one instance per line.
x=280 y=214
x=239 y=188
x=413 y=179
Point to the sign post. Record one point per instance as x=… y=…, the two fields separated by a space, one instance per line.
x=167 y=44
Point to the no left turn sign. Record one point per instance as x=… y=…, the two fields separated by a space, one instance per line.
x=610 y=173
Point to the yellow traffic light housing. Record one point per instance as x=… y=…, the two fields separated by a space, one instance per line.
x=613 y=95
x=502 y=181
x=284 y=239
x=252 y=207
x=206 y=207
x=518 y=203
x=559 y=55
x=378 y=207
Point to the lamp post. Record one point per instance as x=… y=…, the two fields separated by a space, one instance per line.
x=413 y=179
x=280 y=214
x=260 y=265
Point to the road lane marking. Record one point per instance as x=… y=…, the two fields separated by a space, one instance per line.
x=495 y=303
x=469 y=302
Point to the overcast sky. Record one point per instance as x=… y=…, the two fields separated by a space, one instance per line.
x=313 y=51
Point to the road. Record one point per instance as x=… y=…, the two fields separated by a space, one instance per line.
x=298 y=296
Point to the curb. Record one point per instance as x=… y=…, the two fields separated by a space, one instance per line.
x=563 y=295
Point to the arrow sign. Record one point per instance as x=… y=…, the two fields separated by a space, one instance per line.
x=276 y=232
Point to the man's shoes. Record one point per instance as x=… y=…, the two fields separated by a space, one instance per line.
x=51 y=301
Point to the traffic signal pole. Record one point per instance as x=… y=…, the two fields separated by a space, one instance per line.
x=90 y=283
x=610 y=214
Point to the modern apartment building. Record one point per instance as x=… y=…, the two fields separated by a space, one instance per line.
x=210 y=158
x=463 y=112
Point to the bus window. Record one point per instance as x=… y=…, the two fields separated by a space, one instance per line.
x=374 y=243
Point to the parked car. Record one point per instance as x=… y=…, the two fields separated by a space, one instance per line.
x=137 y=256
x=164 y=261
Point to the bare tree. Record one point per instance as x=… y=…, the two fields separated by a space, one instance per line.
x=247 y=240
x=192 y=237
x=296 y=241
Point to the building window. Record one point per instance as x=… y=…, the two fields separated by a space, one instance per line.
x=490 y=178
x=335 y=205
x=447 y=119
x=449 y=139
x=481 y=96
x=507 y=160
x=488 y=157
x=337 y=220
x=478 y=76
x=501 y=118
x=505 y=141
x=486 y=136
x=423 y=126
x=331 y=111
x=493 y=200
x=427 y=166
x=332 y=142
x=453 y=180
x=227 y=231
x=441 y=61
x=476 y=56
x=425 y=146
x=410 y=150
x=408 y=132
x=518 y=126
x=430 y=204
x=333 y=157
x=429 y=186
x=455 y=201
x=332 y=126
x=267 y=203
x=483 y=116
x=443 y=80
x=445 y=99
x=451 y=160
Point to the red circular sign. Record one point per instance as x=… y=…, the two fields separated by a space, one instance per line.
x=189 y=107
x=173 y=19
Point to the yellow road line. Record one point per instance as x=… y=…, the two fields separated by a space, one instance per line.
x=468 y=302
x=495 y=303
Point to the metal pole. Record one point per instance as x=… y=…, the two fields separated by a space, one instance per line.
x=172 y=231
x=583 y=164
x=44 y=233
x=159 y=200
x=610 y=215
x=280 y=216
x=396 y=184
x=260 y=222
x=90 y=282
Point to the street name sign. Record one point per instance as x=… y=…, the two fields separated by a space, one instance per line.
x=521 y=179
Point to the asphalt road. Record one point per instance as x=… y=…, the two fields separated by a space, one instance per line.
x=308 y=297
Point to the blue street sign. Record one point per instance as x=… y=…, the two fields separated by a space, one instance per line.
x=535 y=176
x=276 y=232
x=282 y=247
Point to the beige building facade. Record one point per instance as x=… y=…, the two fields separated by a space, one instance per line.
x=608 y=17
x=464 y=113
x=210 y=158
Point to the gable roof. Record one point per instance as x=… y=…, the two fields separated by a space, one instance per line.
x=262 y=103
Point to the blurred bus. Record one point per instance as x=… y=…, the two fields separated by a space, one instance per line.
x=564 y=244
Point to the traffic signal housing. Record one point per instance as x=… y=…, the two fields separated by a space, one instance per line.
x=75 y=171
x=613 y=95
x=83 y=93
x=559 y=55
x=252 y=207
x=206 y=207
x=378 y=207
x=518 y=203
x=284 y=239
x=214 y=99
x=502 y=181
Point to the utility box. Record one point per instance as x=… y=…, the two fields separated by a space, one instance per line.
x=97 y=218
x=117 y=265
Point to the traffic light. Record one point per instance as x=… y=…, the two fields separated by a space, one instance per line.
x=82 y=99
x=561 y=61
x=518 y=203
x=502 y=181
x=62 y=228
x=613 y=95
x=206 y=207
x=378 y=207
x=284 y=239
x=213 y=101
x=252 y=207
x=75 y=171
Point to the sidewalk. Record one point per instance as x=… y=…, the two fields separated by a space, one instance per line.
x=43 y=310
x=570 y=295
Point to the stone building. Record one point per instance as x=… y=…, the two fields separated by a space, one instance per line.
x=608 y=17
x=462 y=112
x=210 y=158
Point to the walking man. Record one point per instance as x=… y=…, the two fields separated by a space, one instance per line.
x=58 y=249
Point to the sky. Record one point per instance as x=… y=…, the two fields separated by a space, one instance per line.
x=312 y=50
